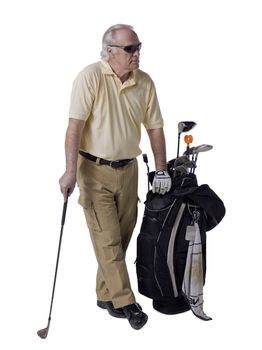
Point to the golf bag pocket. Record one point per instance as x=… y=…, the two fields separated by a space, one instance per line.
x=150 y=283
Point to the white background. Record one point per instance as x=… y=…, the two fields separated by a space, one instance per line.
x=205 y=58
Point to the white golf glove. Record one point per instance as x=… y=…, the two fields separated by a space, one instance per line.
x=162 y=182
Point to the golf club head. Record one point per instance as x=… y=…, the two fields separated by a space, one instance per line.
x=185 y=126
x=181 y=169
x=42 y=333
x=189 y=151
x=181 y=160
x=201 y=148
x=190 y=165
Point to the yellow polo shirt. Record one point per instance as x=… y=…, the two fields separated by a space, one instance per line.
x=113 y=111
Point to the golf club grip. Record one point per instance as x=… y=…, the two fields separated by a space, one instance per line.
x=64 y=213
x=145 y=159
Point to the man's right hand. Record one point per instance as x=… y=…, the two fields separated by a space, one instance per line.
x=67 y=184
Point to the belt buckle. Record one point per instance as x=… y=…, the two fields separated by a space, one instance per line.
x=114 y=163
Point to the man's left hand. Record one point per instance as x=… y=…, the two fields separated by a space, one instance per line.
x=162 y=182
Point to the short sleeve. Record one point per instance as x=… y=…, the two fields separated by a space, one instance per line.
x=153 y=118
x=82 y=97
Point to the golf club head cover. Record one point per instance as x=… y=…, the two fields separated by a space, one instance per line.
x=162 y=182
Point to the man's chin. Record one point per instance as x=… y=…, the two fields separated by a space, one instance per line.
x=135 y=65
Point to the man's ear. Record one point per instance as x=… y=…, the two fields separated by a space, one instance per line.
x=109 y=51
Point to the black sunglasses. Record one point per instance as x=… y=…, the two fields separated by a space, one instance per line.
x=129 y=48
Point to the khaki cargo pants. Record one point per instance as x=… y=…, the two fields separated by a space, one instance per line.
x=109 y=198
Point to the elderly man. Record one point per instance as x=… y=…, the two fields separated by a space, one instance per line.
x=109 y=102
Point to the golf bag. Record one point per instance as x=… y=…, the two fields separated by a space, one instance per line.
x=171 y=245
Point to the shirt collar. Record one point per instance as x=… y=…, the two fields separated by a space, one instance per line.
x=107 y=70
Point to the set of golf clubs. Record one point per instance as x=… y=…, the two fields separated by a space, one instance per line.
x=187 y=162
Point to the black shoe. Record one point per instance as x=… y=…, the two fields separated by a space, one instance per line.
x=110 y=308
x=136 y=317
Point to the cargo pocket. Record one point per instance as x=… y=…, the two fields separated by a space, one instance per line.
x=91 y=217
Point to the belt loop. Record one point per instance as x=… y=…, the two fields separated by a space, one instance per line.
x=98 y=161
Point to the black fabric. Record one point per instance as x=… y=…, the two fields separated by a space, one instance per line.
x=113 y=164
x=185 y=188
x=171 y=306
x=153 y=272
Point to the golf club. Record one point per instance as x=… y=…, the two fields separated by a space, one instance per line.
x=197 y=150
x=189 y=152
x=184 y=168
x=181 y=169
x=145 y=159
x=183 y=127
x=181 y=160
x=190 y=164
x=42 y=333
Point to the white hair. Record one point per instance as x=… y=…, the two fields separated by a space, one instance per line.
x=108 y=38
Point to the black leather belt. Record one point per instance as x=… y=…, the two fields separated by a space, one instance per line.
x=114 y=163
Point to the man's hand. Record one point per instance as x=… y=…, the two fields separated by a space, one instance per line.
x=162 y=182
x=67 y=184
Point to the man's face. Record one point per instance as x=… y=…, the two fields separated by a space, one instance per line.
x=118 y=57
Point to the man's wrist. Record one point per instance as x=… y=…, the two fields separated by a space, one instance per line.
x=71 y=172
x=161 y=169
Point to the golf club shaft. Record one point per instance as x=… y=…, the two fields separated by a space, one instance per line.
x=178 y=144
x=195 y=161
x=57 y=260
x=145 y=159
